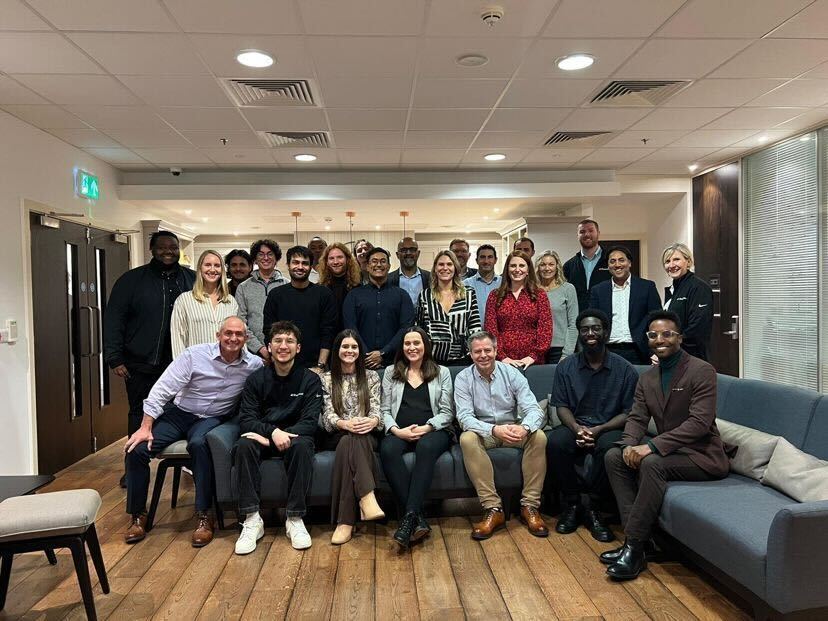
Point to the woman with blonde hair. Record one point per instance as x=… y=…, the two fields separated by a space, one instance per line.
x=690 y=298
x=448 y=312
x=197 y=314
x=339 y=272
x=563 y=300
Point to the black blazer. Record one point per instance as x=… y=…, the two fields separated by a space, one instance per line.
x=394 y=278
x=692 y=301
x=576 y=274
x=643 y=299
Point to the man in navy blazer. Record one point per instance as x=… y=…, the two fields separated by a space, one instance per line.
x=409 y=276
x=627 y=300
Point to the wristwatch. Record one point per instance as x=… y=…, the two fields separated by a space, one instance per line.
x=322 y=366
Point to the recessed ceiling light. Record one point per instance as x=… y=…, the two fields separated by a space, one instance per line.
x=471 y=60
x=761 y=139
x=254 y=58
x=204 y=219
x=188 y=211
x=377 y=226
x=574 y=62
x=305 y=157
x=494 y=157
x=496 y=210
x=327 y=227
x=235 y=233
x=692 y=167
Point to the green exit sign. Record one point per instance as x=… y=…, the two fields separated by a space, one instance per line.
x=86 y=185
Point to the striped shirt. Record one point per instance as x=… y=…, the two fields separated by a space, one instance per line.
x=448 y=331
x=194 y=322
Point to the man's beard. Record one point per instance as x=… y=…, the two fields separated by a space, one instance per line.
x=598 y=347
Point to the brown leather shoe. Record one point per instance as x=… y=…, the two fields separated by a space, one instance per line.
x=203 y=533
x=533 y=520
x=137 y=528
x=493 y=520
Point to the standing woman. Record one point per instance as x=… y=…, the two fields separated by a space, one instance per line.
x=197 y=314
x=339 y=271
x=351 y=413
x=361 y=249
x=447 y=311
x=690 y=298
x=518 y=314
x=563 y=300
x=417 y=411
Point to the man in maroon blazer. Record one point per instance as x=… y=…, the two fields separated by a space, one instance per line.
x=680 y=396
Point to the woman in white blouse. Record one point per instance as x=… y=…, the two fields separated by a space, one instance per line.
x=197 y=314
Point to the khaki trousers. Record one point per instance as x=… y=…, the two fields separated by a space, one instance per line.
x=479 y=466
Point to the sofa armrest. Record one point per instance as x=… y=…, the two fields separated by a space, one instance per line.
x=221 y=441
x=797 y=548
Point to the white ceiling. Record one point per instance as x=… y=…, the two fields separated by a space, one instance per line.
x=137 y=83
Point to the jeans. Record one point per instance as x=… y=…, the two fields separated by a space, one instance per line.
x=562 y=454
x=410 y=488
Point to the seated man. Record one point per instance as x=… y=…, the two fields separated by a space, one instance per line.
x=278 y=415
x=593 y=391
x=680 y=396
x=204 y=384
x=495 y=408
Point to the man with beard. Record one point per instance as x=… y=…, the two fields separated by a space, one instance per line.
x=137 y=345
x=593 y=392
x=409 y=277
x=317 y=246
x=309 y=306
x=589 y=266
x=239 y=267
x=485 y=281
x=460 y=248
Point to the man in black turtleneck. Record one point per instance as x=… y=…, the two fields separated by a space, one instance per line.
x=137 y=321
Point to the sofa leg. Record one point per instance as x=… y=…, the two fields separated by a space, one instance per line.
x=5 y=575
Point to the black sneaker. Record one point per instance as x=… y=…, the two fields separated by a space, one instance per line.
x=569 y=520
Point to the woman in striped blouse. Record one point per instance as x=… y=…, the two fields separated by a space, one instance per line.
x=448 y=312
x=197 y=315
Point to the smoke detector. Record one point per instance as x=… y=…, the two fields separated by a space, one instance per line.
x=491 y=15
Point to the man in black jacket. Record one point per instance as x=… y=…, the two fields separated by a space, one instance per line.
x=589 y=266
x=278 y=415
x=137 y=322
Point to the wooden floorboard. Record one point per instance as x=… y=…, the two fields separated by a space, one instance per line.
x=447 y=576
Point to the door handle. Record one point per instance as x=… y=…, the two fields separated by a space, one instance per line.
x=733 y=333
x=96 y=335
x=89 y=350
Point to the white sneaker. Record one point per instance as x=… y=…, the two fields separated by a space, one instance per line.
x=252 y=531
x=299 y=537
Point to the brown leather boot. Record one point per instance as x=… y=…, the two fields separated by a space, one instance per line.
x=137 y=528
x=203 y=533
x=533 y=520
x=493 y=519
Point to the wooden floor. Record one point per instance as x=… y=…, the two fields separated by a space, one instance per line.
x=449 y=576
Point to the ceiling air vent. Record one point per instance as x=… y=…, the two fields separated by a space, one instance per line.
x=579 y=139
x=251 y=92
x=638 y=92
x=297 y=139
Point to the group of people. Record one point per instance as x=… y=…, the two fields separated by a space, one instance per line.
x=343 y=355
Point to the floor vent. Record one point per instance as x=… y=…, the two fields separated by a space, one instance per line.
x=252 y=92
x=297 y=139
x=638 y=92
x=579 y=139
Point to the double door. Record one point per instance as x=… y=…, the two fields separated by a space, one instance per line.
x=81 y=405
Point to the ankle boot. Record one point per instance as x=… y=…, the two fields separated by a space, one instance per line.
x=342 y=534
x=422 y=529
x=406 y=529
x=369 y=508
x=633 y=561
x=610 y=556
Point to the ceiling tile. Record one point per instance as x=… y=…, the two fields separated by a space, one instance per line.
x=219 y=51
x=808 y=120
x=755 y=118
x=462 y=18
x=643 y=167
x=239 y=156
x=366 y=92
x=768 y=138
x=13 y=93
x=286 y=119
x=364 y=57
x=141 y=54
x=16 y=16
x=79 y=89
x=235 y=139
x=448 y=120
x=821 y=71
x=610 y=18
x=85 y=138
x=712 y=137
x=432 y=156
x=560 y=93
x=248 y=16
x=680 y=58
x=363 y=139
x=734 y=18
x=513 y=156
x=173 y=157
x=599 y=164
x=730 y=153
x=526 y=119
x=680 y=118
x=437 y=58
x=367 y=119
x=685 y=154
x=796 y=93
x=147 y=138
x=633 y=138
x=45 y=117
x=810 y=23
x=552 y=155
x=116 y=156
x=387 y=17
x=775 y=58
x=603 y=119
x=204 y=118
x=615 y=156
x=727 y=93
x=446 y=93
x=112 y=15
x=526 y=165
x=369 y=156
x=439 y=140
x=609 y=55
x=45 y=52
x=286 y=156
x=118 y=117
x=500 y=140
x=177 y=91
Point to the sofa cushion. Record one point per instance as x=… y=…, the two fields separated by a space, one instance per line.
x=755 y=448
x=801 y=476
x=816 y=442
x=506 y=462
x=540 y=378
x=52 y=514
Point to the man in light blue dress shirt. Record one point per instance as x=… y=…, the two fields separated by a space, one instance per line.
x=485 y=280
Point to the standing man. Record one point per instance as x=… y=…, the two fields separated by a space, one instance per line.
x=137 y=345
x=589 y=266
x=460 y=248
x=317 y=246
x=279 y=414
x=309 y=306
x=239 y=267
x=204 y=384
x=525 y=245
x=593 y=392
x=485 y=280
x=679 y=395
x=409 y=277
x=495 y=408
x=252 y=293
x=379 y=312
x=628 y=300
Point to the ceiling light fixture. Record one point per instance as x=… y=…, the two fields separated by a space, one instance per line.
x=305 y=157
x=692 y=167
x=376 y=226
x=496 y=210
x=574 y=62
x=327 y=227
x=471 y=60
x=762 y=139
x=188 y=211
x=494 y=157
x=254 y=58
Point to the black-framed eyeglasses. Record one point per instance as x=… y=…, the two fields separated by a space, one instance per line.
x=665 y=334
x=584 y=330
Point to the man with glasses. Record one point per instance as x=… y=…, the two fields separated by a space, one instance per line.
x=593 y=392
x=380 y=312
x=252 y=293
x=679 y=395
x=409 y=277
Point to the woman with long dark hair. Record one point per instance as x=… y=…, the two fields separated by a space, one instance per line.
x=417 y=411
x=352 y=413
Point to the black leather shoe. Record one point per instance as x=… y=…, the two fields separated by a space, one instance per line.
x=406 y=530
x=598 y=527
x=421 y=529
x=631 y=562
x=610 y=556
x=569 y=520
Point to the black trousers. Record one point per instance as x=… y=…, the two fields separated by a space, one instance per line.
x=628 y=352
x=410 y=488
x=138 y=386
x=553 y=355
x=562 y=455
x=247 y=458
